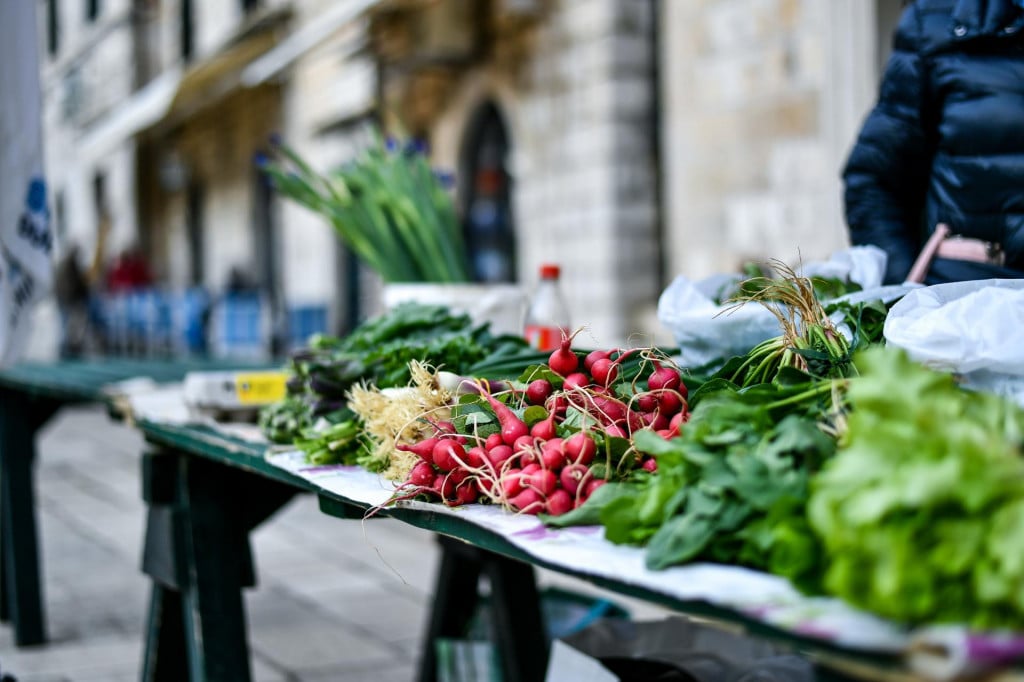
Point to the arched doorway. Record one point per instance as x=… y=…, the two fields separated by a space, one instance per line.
x=486 y=196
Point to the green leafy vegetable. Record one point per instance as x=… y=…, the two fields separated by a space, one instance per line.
x=921 y=513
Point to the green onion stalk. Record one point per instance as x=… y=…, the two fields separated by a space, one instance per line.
x=809 y=342
x=388 y=206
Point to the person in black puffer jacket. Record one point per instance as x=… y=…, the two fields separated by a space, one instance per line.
x=945 y=144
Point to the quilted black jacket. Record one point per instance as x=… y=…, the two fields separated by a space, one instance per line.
x=945 y=143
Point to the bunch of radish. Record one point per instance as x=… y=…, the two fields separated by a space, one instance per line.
x=546 y=446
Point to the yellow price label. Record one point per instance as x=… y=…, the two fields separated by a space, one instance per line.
x=260 y=388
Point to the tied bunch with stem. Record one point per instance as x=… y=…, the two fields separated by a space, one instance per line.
x=388 y=205
x=809 y=343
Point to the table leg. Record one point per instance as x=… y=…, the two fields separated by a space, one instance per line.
x=454 y=601
x=514 y=604
x=166 y=655
x=22 y=597
x=516 y=615
x=197 y=552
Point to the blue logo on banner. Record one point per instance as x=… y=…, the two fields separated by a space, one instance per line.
x=34 y=225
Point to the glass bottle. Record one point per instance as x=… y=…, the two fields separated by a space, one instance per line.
x=547 y=315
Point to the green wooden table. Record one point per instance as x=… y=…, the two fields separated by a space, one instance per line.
x=30 y=394
x=206 y=491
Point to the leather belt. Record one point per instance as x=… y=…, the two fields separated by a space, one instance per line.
x=944 y=244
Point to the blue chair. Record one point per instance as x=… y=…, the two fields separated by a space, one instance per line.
x=305 y=321
x=240 y=325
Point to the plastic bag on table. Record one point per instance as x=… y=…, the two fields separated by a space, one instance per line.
x=672 y=650
x=706 y=331
x=970 y=328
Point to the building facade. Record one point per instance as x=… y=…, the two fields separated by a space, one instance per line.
x=628 y=140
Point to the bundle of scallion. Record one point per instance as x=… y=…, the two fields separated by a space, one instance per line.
x=388 y=206
x=809 y=342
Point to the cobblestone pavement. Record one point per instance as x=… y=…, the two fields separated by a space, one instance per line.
x=335 y=600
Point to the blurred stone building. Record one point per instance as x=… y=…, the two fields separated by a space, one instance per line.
x=629 y=140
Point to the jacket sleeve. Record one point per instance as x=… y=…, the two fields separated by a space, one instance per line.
x=886 y=174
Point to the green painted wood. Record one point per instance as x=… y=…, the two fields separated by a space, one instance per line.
x=215 y=545
x=219 y=447
x=516 y=616
x=21 y=584
x=454 y=603
x=84 y=380
x=159 y=477
x=197 y=547
x=166 y=656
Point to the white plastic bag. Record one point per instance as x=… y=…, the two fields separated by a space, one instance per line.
x=971 y=328
x=706 y=332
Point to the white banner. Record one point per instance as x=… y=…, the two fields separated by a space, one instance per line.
x=26 y=242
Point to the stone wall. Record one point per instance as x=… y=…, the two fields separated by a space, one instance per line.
x=762 y=99
x=578 y=98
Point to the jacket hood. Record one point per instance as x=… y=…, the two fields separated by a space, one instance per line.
x=985 y=16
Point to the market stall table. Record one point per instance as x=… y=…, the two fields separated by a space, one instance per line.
x=30 y=394
x=208 y=488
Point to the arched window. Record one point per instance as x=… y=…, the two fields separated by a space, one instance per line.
x=486 y=197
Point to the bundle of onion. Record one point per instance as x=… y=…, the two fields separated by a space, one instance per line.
x=809 y=341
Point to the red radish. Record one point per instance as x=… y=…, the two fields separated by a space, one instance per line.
x=451 y=482
x=486 y=485
x=466 y=492
x=647 y=402
x=667 y=434
x=563 y=361
x=443 y=427
x=649 y=464
x=657 y=421
x=523 y=443
x=678 y=420
x=512 y=482
x=528 y=502
x=544 y=481
x=609 y=410
x=497 y=456
x=538 y=391
x=544 y=429
x=616 y=431
x=664 y=378
x=571 y=476
x=422 y=475
x=424 y=449
x=559 y=502
x=512 y=426
x=557 y=405
x=593 y=484
x=493 y=441
x=475 y=457
x=670 y=402
x=446 y=453
x=604 y=371
x=580 y=448
x=575 y=381
x=553 y=444
x=593 y=356
x=552 y=458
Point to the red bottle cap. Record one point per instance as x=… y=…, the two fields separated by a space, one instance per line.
x=550 y=271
